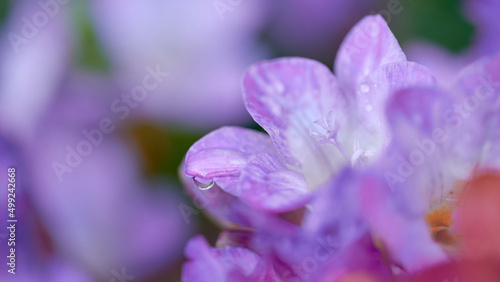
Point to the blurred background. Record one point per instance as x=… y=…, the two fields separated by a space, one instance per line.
x=101 y=99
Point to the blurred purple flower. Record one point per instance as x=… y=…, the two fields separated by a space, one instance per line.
x=90 y=195
x=34 y=61
x=312 y=117
x=204 y=55
x=33 y=259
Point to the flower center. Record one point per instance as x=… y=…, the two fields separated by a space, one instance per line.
x=360 y=156
x=439 y=222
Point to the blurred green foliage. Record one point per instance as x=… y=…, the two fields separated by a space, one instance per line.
x=438 y=21
x=4 y=11
x=89 y=53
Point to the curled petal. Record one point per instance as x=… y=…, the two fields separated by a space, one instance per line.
x=245 y=164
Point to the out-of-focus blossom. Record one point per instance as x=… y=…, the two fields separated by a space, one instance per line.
x=204 y=56
x=317 y=123
x=484 y=15
x=89 y=193
x=27 y=256
x=34 y=60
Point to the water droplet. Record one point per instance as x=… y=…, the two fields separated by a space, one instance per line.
x=368 y=108
x=364 y=88
x=203 y=186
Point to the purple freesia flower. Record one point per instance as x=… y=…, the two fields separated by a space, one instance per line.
x=317 y=123
x=311 y=116
x=371 y=223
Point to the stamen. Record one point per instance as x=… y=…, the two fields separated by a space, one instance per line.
x=331 y=136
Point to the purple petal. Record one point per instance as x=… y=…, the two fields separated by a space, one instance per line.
x=420 y=140
x=402 y=230
x=484 y=15
x=377 y=88
x=225 y=264
x=245 y=164
x=478 y=112
x=369 y=45
x=286 y=96
x=443 y=64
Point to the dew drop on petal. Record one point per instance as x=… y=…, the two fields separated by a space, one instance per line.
x=368 y=108
x=203 y=186
x=364 y=88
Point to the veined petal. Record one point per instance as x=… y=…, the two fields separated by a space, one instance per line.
x=286 y=96
x=415 y=159
x=376 y=88
x=369 y=45
x=245 y=164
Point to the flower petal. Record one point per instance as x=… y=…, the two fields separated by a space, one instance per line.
x=376 y=88
x=286 y=96
x=402 y=229
x=245 y=164
x=477 y=112
x=369 y=45
x=225 y=264
x=419 y=153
